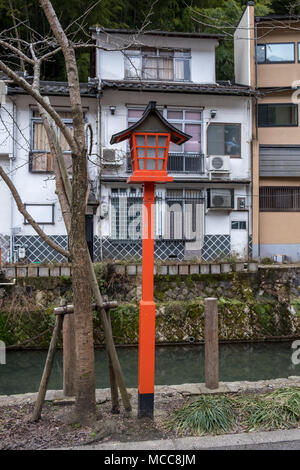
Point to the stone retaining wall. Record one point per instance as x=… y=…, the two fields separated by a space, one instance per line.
x=253 y=304
x=161 y=391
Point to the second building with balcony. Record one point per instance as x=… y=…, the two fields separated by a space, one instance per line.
x=205 y=212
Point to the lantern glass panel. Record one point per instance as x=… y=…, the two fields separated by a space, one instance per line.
x=161 y=141
x=160 y=164
x=151 y=140
x=141 y=152
x=151 y=152
x=141 y=164
x=150 y=165
x=161 y=152
x=140 y=140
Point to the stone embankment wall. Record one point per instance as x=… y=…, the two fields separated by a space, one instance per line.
x=255 y=303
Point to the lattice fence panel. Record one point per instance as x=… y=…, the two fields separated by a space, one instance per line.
x=215 y=246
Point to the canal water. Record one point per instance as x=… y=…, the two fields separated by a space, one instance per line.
x=174 y=365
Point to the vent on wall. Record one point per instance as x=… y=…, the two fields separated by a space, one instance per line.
x=220 y=199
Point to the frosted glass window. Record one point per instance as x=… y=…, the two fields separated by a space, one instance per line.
x=175 y=115
x=193 y=144
x=135 y=113
x=192 y=116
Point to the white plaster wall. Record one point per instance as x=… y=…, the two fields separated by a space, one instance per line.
x=37 y=188
x=230 y=109
x=242 y=50
x=110 y=65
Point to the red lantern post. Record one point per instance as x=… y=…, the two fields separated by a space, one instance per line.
x=150 y=138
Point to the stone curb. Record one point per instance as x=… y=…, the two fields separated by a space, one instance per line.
x=232 y=441
x=185 y=390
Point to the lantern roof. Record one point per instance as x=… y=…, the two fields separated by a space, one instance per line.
x=152 y=121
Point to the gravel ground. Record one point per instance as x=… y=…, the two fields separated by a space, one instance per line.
x=57 y=428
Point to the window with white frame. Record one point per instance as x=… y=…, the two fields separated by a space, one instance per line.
x=41 y=159
x=188 y=121
x=158 y=64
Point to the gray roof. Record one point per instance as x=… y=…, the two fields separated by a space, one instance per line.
x=178 y=34
x=171 y=87
x=56 y=88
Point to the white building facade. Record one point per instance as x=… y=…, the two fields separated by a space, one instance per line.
x=26 y=157
x=205 y=212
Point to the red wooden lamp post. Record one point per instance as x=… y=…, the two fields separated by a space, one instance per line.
x=149 y=146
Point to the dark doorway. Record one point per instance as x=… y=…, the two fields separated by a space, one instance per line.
x=89 y=233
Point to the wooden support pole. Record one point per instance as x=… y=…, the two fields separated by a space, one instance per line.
x=115 y=406
x=47 y=370
x=69 y=356
x=211 y=343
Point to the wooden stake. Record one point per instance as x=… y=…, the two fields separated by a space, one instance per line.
x=211 y=343
x=69 y=355
x=47 y=369
x=115 y=406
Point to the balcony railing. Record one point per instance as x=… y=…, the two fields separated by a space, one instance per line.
x=181 y=163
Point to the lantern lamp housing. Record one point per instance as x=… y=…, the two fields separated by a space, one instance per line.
x=149 y=139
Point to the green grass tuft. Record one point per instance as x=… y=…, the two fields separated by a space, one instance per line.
x=206 y=415
x=216 y=414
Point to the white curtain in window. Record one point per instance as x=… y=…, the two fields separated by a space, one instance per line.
x=179 y=69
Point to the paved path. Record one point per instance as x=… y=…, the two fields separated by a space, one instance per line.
x=281 y=440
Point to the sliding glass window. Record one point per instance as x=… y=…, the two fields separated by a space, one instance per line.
x=275 y=53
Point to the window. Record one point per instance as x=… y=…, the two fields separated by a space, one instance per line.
x=158 y=64
x=224 y=139
x=41 y=213
x=279 y=198
x=238 y=225
x=41 y=159
x=189 y=122
x=275 y=53
x=278 y=115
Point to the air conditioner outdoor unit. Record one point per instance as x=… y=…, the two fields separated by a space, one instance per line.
x=220 y=199
x=218 y=164
x=111 y=157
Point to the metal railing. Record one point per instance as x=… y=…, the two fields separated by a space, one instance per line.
x=180 y=163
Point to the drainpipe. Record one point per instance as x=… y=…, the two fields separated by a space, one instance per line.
x=12 y=158
x=99 y=130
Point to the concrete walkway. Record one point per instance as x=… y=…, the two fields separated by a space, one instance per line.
x=284 y=440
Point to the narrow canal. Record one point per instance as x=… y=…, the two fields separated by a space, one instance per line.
x=174 y=365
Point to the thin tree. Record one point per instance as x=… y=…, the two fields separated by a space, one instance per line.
x=72 y=198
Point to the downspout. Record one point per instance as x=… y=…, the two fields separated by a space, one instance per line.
x=256 y=129
x=12 y=158
x=99 y=151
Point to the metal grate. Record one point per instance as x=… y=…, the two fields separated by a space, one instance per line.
x=279 y=198
x=4 y=245
x=180 y=163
